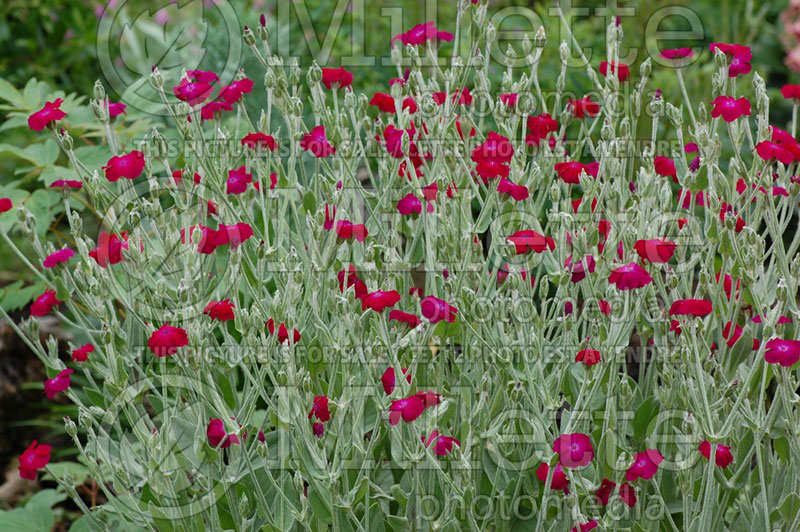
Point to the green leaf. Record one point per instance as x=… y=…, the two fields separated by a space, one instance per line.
x=32 y=94
x=45 y=154
x=10 y=94
x=320 y=507
x=14 y=297
x=310 y=202
x=376 y=519
x=45 y=499
x=641 y=419
x=81 y=524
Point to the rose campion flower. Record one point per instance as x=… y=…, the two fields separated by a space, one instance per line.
x=404 y=317
x=422 y=33
x=517 y=192
x=166 y=340
x=259 y=140
x=624 y=72
x=410 y=408
x=388 y=379
x=409 y=204
x=603 y=493
x=437 y=310
x=318 y=429
x=584 y=107
x=590 y=357
x=574 y=450
x=769 y=150
x=116 y=109
x=319 y=408
x=677 y=53
x=380 y=300
x=539 y=127
x=205 y=76
x=129 y=166
x=66 y=183
x=192 y=92
x=739 y=57
x=726 y=209
x=5 y=205
x=442 y=445
x=51 y=112
x=283 y=332
x=35 y=457
x=213 y=110
x=460 y=97
x=730 y=108
x=559 y=480
x=604 y=306
x=629 y=277
x=59 y=383
x=783 y=352
x=217 y=436
x=570 y=171
x=44 y=304
x=234 y=92
x=509 y=100
x=349 y=276
x=109 y=249
x=61 y=256
x=82 y=353
x=627 y=494
x=722 y=454
x=655 y=250
x=232 y=235
x=733 y=336
x=238 y=179
x=220 y=310
x=585 y=527
x=579 y=269
x=665 y=167
x=645 y=465
x=317 y=143
x=529 y=240
x=691 y=307
x=791 y=92
x=336 y=78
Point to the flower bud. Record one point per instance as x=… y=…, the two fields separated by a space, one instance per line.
x=156 y=80
x=249 y=37
x=563 y=51
x=491 y=33
x=263 y=29
x=645 y=68
x=540 y=39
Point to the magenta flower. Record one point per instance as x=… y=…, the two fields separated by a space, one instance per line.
x=232 y=235
x=404 y=317
x=351 y=279
x=437 y=310
x=665 y=167
x=283 y=332
x=217 y=436
x=518 y=192
x=783 y=352
x=584 y=107
x=116 y=109
x=380 y=300
x=44 y=304
x=738 y=56
x=691 y=307
x=539 y=127
x=59 y=257
x=722 y=453
x=58 y=384
x=443 y=444
x=409 y=204
x=202 y=75
x=655 y=250
x=627 y=494
x=320 y=409
x=109 y=249
x=529 y=240
x=259 y=141
x=569 y=171
x=410 y=408
x=579 y=269
x=388 y=380
x=220 y=310
x=233 y=92
x=585 y=527
x=791 y=92
x=192 y=93
x=339 y=77
x=166 y=340
x=213 y=110
x=422 y=33
x=51 y=112
x=624 y=71
x=238 y=180
x=677 y=53
x=604 y=492
x=5 y=205
x=645 y=465
x=558 y=481
x=590 y=357
x=129 y=166
x=35 y=457
x=509 y=99
x=768 y=150
x=66 y=183
x=730 y=108
x=317 y=143
x=82 y=353
x=630 y=276
x=318 y=429
x=574 y=450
